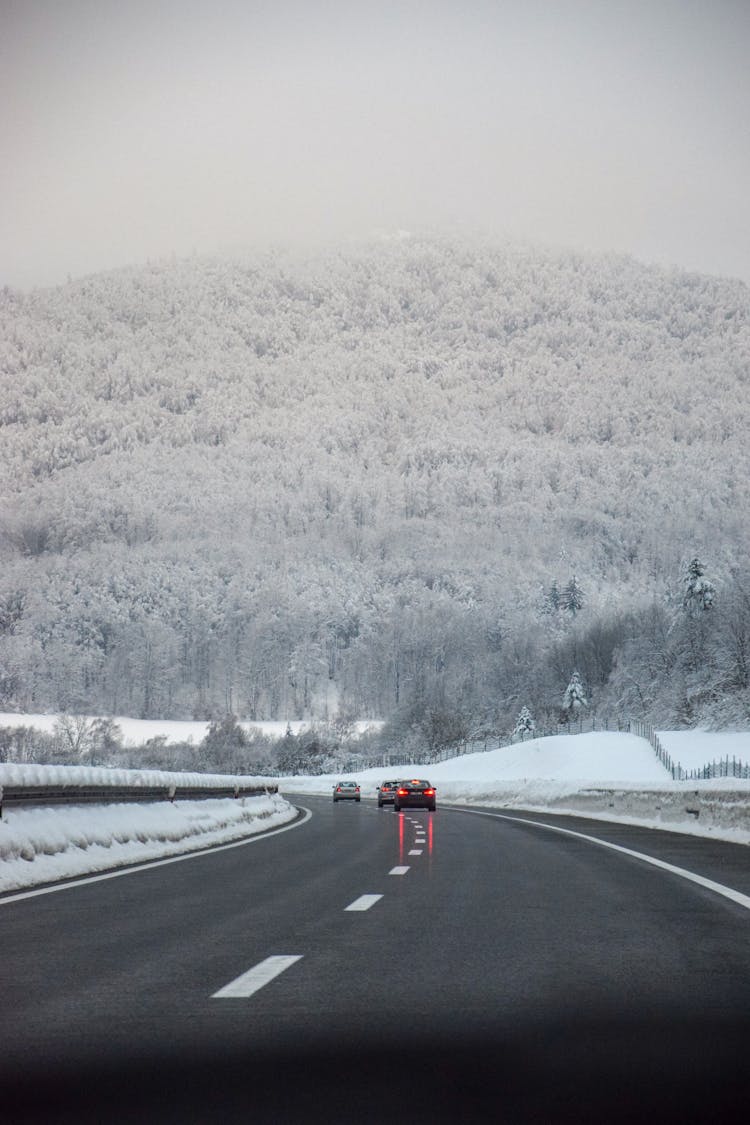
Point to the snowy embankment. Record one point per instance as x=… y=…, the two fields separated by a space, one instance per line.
x=601 y=775
x=40 y=845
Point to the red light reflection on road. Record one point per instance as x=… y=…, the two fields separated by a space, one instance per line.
x=429 y=835
x=400 y=837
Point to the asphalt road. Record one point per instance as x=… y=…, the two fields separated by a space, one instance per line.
x=382 y=967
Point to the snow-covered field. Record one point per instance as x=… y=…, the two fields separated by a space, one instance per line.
x=135 y=732
x=561 y=763
x=601 y=775
x=567 y=773
x=696 y=748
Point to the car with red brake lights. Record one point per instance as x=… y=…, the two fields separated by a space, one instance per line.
x=386 y=793
x=345 y=791
x=414 y=794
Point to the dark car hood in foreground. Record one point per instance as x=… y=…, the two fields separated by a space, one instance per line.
x=582 y=1070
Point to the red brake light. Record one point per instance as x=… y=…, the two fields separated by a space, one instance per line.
x=428 y=792
x=402 y=792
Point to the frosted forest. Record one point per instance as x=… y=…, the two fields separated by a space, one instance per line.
x=423 y=478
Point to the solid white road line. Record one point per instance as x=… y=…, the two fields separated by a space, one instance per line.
x=364 y=902
x=415 y=851
x=133 y=868
x=709 y=884
x=398 y=870
x=255 y=978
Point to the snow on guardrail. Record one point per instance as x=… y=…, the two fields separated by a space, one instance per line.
x=64 y=821
x=23 y=785
x=28 y=774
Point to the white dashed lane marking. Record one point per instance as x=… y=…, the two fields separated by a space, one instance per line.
x=255 y=978
x=415 y=851
x=399 y=870
x=364 y=902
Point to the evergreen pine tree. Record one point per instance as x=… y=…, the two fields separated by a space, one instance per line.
x=574 y=699
x=573 y=597
x=524 y=723
x=699 y=591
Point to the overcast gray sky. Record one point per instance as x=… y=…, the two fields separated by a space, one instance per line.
x=135 y=129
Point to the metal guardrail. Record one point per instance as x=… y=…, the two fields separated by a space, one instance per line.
x=27 y=795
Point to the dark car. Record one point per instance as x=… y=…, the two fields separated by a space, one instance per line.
x=414 y=794
x=386 y=793
x=345 y=791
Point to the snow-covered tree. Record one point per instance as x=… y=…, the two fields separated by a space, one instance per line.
x=224 y=744
x=572 y=599
x=574 y=699
x=525 y=724
x=551 y=600
x=80 y=739
x=699 y=590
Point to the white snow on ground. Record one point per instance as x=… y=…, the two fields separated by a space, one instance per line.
x=137 y=731
x=696 y=748
x=601 y=775
x=597 y=757
x=41 y=845
x=559 y=774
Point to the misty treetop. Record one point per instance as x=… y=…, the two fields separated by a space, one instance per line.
x=283 y=486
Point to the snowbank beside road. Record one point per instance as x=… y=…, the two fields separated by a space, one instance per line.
x=602 y=775
x=42 y=845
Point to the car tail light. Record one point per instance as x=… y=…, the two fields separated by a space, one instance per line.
x=429 y=792
x=403 y=792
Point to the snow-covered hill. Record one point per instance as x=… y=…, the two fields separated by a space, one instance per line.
x=232 y=485
x=559 y=773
